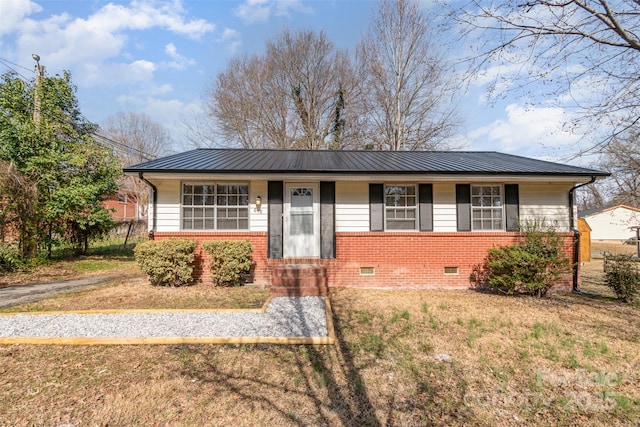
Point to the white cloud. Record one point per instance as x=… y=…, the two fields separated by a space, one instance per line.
x=525 y=130
x=252 y=11
x=92 y=45
x=141 y=15
x=12 y=12
x=114 y=74
x=179 y=62
x=232 y=39
x=284 y=7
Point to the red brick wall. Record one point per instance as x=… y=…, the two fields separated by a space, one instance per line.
x=261 y=272
x=409 y=260
x=123 y=211
x=416 y=259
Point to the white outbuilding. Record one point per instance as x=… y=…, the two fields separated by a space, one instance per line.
x=612 y=223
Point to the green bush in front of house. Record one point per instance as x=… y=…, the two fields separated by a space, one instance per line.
x=230 y=260
x=167 y=262
x=621 y=274
x=531 y=267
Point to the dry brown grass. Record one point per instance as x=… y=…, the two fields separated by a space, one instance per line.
x=563 y=360
x=598 y=248
x=137 y=293
x=70 y=269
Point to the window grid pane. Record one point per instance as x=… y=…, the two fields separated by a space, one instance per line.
x=400 y=207
x=215 y=207
x=486 y=207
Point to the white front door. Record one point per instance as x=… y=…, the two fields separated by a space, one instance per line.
x=301 y=220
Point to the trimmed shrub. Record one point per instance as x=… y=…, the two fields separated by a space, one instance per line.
x=621 y=274
x=230 y=259
x=530 y=267
x=167 y=262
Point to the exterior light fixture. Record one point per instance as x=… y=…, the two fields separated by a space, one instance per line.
x=258 y=204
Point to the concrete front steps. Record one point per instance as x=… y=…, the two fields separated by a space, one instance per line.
x=299 y=280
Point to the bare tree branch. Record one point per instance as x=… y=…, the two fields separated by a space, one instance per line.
x=586 y=52
x=406 y=80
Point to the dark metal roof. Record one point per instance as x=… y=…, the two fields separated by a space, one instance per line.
x=356 y=162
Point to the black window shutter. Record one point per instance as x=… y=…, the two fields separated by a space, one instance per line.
x=425 y=199
x=463 y=206
x=275 y=197
x=376 y=207
x=327 y=220
x=512 y=206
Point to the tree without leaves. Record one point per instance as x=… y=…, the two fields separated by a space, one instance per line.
x=621 y=157
x=289 y=97
x=405 y=80
x=587 y=52
x=136 y=138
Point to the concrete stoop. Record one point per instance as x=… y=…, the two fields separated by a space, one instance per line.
x=299 y=280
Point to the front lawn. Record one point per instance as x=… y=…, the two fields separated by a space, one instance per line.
x=137 y=293
x=401 y=358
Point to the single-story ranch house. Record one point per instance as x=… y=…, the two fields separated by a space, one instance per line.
x=369 y=218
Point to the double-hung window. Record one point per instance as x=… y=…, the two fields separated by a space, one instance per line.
x=400 y=207
x=215 y=206
x=487 y=207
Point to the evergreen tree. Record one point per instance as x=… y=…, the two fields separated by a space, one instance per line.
x=53 y=175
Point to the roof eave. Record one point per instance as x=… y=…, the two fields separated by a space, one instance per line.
x=584 y=175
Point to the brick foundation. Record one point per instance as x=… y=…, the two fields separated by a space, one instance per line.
x=379 y=259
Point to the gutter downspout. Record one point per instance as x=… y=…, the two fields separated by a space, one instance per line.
x=154 y=199
x=574 y=229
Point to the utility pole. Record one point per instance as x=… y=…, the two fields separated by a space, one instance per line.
x=36 y=97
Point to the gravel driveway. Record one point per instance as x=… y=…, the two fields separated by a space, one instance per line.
x=284 y=317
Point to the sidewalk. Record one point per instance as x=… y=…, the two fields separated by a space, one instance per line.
x=23 y=294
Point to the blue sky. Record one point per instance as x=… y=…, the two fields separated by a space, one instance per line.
x=158 y=57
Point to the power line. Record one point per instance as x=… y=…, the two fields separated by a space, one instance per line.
x=17 y=65
x=117 y=145
x=144 y=154
x=5 y=63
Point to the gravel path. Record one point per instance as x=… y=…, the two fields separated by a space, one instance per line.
x=285 y=317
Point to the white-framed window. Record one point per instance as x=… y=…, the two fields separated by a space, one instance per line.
x=215 y=206
x=487 y=208
x=401 y=212
x=122 y=197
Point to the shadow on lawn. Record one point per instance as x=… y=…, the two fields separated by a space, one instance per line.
x=320 y=382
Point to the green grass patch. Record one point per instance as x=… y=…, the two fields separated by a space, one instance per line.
x=374 y=344
x=95 y=265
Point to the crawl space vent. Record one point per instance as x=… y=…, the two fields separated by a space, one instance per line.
x=367 y=271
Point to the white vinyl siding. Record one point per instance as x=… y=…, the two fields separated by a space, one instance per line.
x=545 y=201
x=258 y=220
x=549 y=201
x=444 y=207
x=168 y=206
x=352 y=206
x=613 y=224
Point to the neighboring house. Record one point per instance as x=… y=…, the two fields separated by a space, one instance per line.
x=372 y=218
x=612 y=223
x=123 y=206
